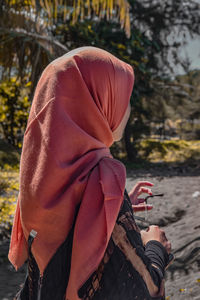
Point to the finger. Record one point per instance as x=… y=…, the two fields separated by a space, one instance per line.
x=144 y=190
x=140 y=200
x=163 y=235
x=139 y=184
x=147 y=183
x=142 y=207
x=168 y=247
x=152 y=227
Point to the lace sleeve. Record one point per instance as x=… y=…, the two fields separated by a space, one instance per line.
x=126 y=271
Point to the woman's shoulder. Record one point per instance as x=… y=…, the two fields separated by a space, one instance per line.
x=113 y=164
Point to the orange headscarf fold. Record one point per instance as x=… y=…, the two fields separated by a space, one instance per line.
x=80 y=99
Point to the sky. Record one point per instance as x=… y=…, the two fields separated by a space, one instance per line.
x=192 y=50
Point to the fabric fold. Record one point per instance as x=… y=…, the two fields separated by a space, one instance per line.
x=102 y=198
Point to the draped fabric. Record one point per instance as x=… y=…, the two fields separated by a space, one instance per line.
x=125 y=272
x=80 y=99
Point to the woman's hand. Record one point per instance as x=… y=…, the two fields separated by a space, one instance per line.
x=137 y=190
x=156 y=234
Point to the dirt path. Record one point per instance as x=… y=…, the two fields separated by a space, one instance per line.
x=178 y=212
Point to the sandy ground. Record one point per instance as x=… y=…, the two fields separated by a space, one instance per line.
x=178 y=213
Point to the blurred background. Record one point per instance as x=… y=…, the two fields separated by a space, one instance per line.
x=159 y=38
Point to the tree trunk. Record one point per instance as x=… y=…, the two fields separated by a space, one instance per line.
x=130 y=149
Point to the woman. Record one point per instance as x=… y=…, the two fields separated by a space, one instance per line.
x=74 y=221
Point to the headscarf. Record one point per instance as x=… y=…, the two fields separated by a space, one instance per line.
x=80 y=99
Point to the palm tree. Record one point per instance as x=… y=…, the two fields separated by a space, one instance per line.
x=27 y=44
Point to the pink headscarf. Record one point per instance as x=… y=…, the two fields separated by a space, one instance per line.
x=80 y=99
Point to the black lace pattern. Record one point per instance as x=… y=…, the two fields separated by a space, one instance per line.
x=125 y=272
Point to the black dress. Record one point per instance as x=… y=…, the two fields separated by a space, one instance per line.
x=127 y=271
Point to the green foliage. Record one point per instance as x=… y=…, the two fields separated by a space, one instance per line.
x=9 y=186
x=7 y=209
x=29 y=43
x=9 y=156
x=168 y=151
x=3 y=186
x=14 y=110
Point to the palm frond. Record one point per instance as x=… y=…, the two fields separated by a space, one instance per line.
x=26 y=46
x=26 y=41
x=77 y=8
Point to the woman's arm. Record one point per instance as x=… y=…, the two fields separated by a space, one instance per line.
x=148 y=253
